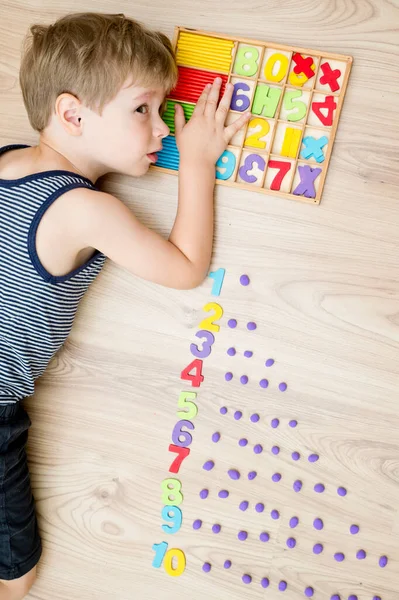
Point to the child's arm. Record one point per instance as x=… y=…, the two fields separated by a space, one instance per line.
x=183 y=260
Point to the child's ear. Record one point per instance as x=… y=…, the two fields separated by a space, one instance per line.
x=68 y=111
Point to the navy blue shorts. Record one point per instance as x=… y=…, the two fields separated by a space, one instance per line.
x=20 y=543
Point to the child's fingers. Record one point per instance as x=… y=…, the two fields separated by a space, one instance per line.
x=212 y=101
x=224 y=105
x=232 y=129
x=180 y=119
x=200 y=106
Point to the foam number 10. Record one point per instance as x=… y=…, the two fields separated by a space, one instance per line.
x=162 y=555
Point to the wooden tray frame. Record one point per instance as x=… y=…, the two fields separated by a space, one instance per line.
x=332 y=131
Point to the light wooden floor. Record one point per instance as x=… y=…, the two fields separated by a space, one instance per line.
x=325 y=296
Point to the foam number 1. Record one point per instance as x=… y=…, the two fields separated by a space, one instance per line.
x=218 y=278
x=208 y=323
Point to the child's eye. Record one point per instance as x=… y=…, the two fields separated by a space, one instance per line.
x=143 y=106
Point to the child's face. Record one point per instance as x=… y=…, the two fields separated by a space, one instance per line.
x=129 y=129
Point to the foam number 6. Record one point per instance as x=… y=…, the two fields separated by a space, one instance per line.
x=240 y=102
x=171 y=492
x=208 y=323
x=184 y=403
x=206 y=346
x=254 y=139
x=173 y=517
x=178 y=433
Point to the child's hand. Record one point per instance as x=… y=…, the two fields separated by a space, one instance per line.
x=204 y=138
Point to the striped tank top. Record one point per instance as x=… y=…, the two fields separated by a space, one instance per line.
x=37 y=309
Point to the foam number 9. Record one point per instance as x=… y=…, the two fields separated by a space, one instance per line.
x=206 y=346
x=184 y=403
x=173 y=517
x=178 y=433
x=208 y=323
x=226 y=161
x=171 y=492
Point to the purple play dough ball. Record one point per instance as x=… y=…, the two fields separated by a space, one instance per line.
x=231 y=351
x=297 y=485
x=252 y=475
x=293 y=423
x=223 y=494
x=216 y=528
x=263 y=383
x=251 y=326
x=264 y=536
x=244 y=505
x=309 y=592
x=295 y=456
x=238 y=415
x=318 y=548
x=354 y=529
x=247 y=578
x=282 y=386
x=275 y=450
x=259 y=507
x=376 y=597
x=197 y=524
x=318 y=524
x=335 y=597
x=243 y=442
x=223 y=410
x=244 y=280
x=319 y=488
x=282 y=586
x=353 y=597
x=215 y=436
x=291 y=542
x=234 y=474
x=265 y=582
x=208 y=465
x=244 y=379
x=255 y=418
x=361 y=554
x=204 y=494
x=275 y=423
x=242 y=536
x=341 y=491
x=276 y=477
x=294 y=522
x=228 y=376
x=258 y=448
x=383 y=561
x=275 y=514
x=232 y=323
x=206 y=567
x=248 y=353
x=313 y=458
x=339 y=556
x=269 y=362
x=227 y=564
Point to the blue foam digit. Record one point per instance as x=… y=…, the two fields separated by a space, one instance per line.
x=160 y=551
x=175 y=520
x=218 y=277
x=229 y=165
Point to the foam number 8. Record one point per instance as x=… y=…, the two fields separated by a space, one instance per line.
x=206 y=346
x=208 y=323
x=173 y=517
x=246 y=61
x=254 y=139
x=178 y=433
x=171 y=492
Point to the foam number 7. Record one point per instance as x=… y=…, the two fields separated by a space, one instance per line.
x=182 y=453
x=206 y=346
x=208 y=323
x=183 y=402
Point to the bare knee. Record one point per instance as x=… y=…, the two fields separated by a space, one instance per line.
x=17 y=589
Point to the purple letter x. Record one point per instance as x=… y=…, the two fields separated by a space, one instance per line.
x=305 y=186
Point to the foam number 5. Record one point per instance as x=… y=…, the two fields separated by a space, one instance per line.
x=171 y=492
x=206 y=346
x=184 y=403
x=173 y=517
x=178 y=433
x=299 y=106
x=208 y=323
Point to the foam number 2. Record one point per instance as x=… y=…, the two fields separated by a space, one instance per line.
x=254 y=139
x=178 y=432
x=173 y=517
x=208 y=323
x=206 y=345
x=167 y=557
x=171 y=492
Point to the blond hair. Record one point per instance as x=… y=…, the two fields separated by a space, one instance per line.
x=90 y=55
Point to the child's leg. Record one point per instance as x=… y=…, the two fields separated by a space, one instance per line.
x=20 y=544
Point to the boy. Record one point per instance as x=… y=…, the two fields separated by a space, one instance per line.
x=93 y=86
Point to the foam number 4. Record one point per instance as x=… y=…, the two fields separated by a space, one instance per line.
x=255 y=138
x=329 y=105
x=206 y=345
x=173 y=517
x=167 y=558
x=183 y=402
x=178 y=433
x=172 y=495
x=197 y=378
x=209 y=323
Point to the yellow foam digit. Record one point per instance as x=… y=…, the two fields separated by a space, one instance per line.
x=291 y=142
x=282 y=69
x=208 y=323
x=299 y=79
x=254 y=139
x=180 y=559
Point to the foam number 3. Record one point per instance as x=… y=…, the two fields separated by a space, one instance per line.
x=248 y=165
x=208 y=323
x=171 y=492
x=206 y=345
x=173 y=517
x=178 y=433
x=183 y=402
x=255 y=138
